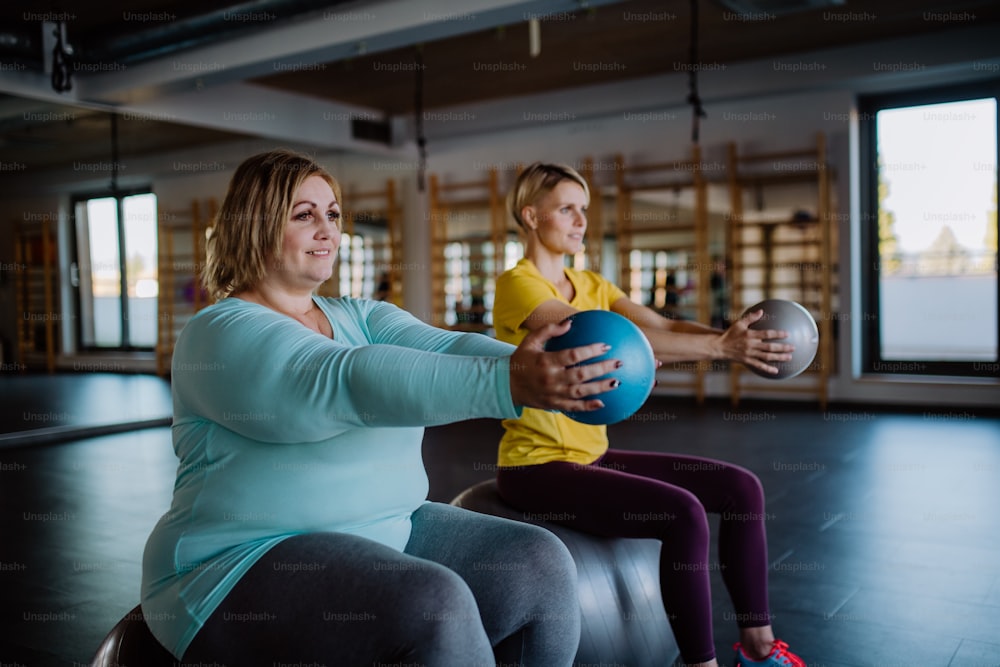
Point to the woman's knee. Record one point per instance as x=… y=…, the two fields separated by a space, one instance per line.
x=436 y=620
x=746 y=490
x=550 y=555
x=543 y=603
x=432 y=594
x=686 y=521
x=536 y=560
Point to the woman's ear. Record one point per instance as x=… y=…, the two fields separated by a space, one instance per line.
x=529 y=217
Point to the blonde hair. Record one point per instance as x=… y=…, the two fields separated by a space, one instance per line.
x=248 y=230
x=538 y=180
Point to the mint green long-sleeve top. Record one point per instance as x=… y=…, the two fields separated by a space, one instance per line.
x=281 y=431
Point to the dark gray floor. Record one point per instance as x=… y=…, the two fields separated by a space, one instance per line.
x=884 y=527
x=52 y=408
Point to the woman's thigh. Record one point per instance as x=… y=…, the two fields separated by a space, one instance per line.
x=522 y=576
x=606 y=498
x=720 y=486
x=509 y=565
x=344 y=600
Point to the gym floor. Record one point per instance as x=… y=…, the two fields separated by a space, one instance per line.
x=883 y=523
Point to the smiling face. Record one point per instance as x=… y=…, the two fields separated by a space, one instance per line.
x=559 y=218
x=311 y=238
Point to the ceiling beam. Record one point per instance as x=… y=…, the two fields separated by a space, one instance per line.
x=311 y=41
x=204 y=85
x=267 y=113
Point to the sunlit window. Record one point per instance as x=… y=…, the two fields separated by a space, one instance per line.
x=933 y=298
x=117 y=252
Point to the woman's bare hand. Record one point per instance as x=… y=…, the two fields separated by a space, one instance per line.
x=754 y=347
x=554 y=380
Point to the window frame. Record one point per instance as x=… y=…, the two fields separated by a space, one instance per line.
x=872 y=361
x=127 y=345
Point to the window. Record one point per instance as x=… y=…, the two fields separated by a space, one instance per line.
x=929 y=193
x=470 y=281
x=357 y=275
x=664 y=280
x=366 y=259
x=116 y=272
x=469 y=285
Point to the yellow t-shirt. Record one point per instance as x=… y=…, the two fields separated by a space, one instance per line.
x=540 y=436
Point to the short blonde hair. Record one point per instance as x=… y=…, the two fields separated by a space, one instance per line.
x=538 y=180
x=248 y=230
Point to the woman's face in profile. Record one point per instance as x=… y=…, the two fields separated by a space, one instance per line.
x=562 y=218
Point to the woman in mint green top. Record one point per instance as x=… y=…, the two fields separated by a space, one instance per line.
x=299 y=529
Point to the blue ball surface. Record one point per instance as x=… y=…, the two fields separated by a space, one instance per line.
x=637 y=374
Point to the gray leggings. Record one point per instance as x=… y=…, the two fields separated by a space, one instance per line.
x=469 y=589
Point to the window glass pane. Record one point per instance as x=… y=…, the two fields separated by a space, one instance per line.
x=357 y=265
x=105 y=274
x=937 y=217
x=453 y=254
x=345 y=264
x=140 y=268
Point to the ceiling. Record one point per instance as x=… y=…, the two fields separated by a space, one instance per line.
x=175 y=70
x=606 y=43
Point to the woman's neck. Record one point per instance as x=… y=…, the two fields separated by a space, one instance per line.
x=299 y=307
x=550 y=265
x=282 y=301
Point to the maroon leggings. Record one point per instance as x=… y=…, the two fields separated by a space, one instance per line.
x=664 y=496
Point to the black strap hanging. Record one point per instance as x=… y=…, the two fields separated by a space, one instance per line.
x=61 y=65
x=693 y=98
x=418 y=110
x=114 y=153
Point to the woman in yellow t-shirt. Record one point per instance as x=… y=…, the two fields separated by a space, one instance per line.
x=551 y=464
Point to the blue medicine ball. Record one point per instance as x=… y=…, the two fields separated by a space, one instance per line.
x=628 y=344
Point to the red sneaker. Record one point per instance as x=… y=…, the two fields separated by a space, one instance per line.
x=779 y=656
